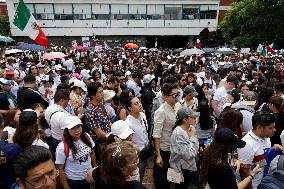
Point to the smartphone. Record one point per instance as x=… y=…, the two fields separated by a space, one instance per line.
x=261 y=164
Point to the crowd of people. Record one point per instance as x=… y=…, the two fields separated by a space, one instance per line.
x=95 y=119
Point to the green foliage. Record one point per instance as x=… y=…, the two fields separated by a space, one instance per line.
x=251 y=22
x=4 y=26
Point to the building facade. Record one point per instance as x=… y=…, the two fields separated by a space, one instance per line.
x=120 y=21
x=3 y=8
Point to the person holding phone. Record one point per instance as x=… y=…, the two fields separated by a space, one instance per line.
x=217 y=161
x=257 y=140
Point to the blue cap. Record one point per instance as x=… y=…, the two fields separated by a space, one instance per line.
x=5 y=81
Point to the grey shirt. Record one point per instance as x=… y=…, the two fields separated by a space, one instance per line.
x=184 y=149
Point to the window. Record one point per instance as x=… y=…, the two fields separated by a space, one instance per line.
x=190 y=12
x=208 y=11
x=82 y=11
x=63 y=12
x=137 y=12
x=101 y=12
x=155 y=12
x=44 y=12
x=119 y=12
x=173 y=12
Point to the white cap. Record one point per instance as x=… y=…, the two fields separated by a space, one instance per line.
x=148 y=78
x=81 y=84
x=221 y=63
x=121 y=129
x=128 y=73
x=108 y=94
x=72 y=121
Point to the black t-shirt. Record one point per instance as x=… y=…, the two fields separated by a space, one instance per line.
x=4 y=103
x=27 y=97
x=221 y=175
x=127 y=185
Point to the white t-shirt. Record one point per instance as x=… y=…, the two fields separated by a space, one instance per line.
x=75 y=169
x=220 y=96
x=20 y=74
x=253 y=152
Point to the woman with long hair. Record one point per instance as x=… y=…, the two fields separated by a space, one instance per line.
x=12 y=118
x=205 y=128
x=121 y=110
x=276 y=105
x=118 y=166
x=231 y=119
x=74 y=155
x=27 y=132
x=264 y=95
x=218 y=162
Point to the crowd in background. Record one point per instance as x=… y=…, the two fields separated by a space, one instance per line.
x=93 y=119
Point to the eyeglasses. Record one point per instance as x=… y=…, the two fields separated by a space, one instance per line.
x=41 y=181
x=174 y=95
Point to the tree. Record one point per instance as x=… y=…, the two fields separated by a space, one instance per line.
x=4 y=25
x=251 y=22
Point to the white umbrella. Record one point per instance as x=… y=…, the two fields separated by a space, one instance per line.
x=225 y=51
x=13 y=51
x=193 y=51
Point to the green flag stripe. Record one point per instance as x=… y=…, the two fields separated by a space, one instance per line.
x=22 y=16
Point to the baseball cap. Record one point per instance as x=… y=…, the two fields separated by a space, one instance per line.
x=39 y=65
x=249 y=98
x=28 y=117
x=76 y=75
x=108 y=94
x=226 y=136
x=121 y=129
x=209 y=69
x=186 y=112
x=190 y=90
x=72 y=121
x=148 y=78
x=81 y=84
x=128 y=73
x=9 y=72
x=5 y=81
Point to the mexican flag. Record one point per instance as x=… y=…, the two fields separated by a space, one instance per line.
x=26 y=22
x=264 y=51
x=197 y=44
x=271 y=48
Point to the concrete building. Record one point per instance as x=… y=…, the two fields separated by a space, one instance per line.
x=3 y=8
x=170 y=22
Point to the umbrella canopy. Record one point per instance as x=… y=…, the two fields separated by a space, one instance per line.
x=208 y=50
x=31 y=47
x=225 y=51
x=131 y=46
x=6 y=39
x=193 y=51
x=79 y=47
x=53 y=55
x=13 y=51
